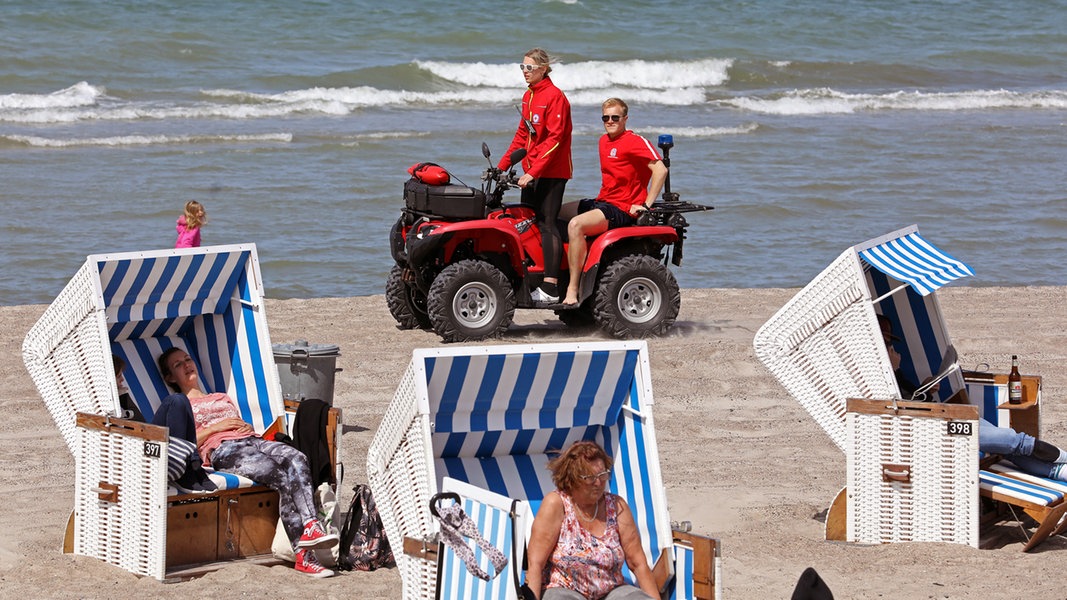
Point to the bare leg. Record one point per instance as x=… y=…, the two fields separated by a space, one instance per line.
x=587 y=223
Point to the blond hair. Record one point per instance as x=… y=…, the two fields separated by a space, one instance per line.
x=195 y=215
x=541 y=57
x=616 y=102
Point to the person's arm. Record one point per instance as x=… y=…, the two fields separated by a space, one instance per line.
x=228 y=424
x=655 y=186
x=632 y=550
x=522 y=134
x=543 y=538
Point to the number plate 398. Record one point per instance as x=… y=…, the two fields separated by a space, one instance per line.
x=960 y=428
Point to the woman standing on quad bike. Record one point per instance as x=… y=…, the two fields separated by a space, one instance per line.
x=545 y=132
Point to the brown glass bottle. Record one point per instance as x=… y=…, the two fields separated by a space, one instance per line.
x=1015 y=382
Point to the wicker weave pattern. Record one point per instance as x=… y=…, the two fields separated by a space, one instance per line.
x=132 y=532
x=68 y=359
x=939 y=504
x=824 y=346
x=398 y=463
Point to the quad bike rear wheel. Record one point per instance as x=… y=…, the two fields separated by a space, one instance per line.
x=637 y=297
x=470 y=300
x=406 y=303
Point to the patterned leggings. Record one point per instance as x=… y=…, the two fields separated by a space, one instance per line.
x=280 y=467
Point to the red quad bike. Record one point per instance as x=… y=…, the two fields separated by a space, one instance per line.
x=465 y=261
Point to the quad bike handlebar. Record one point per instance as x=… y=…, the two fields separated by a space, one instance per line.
x=497 y=181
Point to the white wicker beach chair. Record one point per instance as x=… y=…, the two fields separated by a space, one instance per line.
x=490 y=416
x=912 y=469
x=208 y=301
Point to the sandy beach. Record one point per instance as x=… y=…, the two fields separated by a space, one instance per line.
x=741 y=459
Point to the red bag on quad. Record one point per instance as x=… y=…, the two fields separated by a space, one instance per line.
x=430 y=173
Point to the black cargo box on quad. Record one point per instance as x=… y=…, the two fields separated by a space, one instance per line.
x=445 y=201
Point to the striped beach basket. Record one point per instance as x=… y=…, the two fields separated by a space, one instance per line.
x=493 y=416
x=207 y=301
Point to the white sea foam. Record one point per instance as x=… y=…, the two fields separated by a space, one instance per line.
x=146 y=140
x=697 y=132
x=83 y=102
x=641 y=74
x=828 y=101
x=79 y=94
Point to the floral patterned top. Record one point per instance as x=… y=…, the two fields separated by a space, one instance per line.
x=581 y=561
x=208 y=409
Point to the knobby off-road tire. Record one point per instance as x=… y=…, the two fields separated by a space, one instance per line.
x=469 y=301
x=637 y=297
x=406 y=303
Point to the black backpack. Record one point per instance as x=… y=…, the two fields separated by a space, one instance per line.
x=363 y=544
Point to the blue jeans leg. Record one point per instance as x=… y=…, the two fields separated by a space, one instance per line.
x=1003 y=440
x=1016 y=447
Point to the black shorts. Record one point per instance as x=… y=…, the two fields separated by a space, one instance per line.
x=615 y=216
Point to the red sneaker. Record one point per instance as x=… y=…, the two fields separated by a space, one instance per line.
x=308 y=564
x=316 y=536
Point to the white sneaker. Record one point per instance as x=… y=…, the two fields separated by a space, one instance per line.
x=539 y=296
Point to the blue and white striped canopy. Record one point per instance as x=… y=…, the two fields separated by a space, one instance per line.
x=206 y=301
x=915 y=261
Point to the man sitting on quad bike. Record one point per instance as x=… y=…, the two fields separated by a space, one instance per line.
x=632 y=176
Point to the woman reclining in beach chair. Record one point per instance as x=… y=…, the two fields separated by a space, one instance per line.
x=228 y=443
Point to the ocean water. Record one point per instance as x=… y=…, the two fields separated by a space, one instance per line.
x=809 y=125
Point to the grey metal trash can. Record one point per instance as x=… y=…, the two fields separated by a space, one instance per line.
x=307 y=370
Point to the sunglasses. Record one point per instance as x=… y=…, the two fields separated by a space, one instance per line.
x=528 y=68
x=599 y=477
x=612 y=118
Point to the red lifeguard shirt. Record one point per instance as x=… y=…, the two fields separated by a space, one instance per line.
x=548 y=151
x=624 y=169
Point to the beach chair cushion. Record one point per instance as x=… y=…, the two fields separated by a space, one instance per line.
x=1027 y=491
x=1006 y=478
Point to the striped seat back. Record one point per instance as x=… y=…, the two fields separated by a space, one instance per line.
x=496 y=523
x=498 y=414
x=987 y=396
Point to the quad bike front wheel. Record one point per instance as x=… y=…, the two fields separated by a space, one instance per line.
x=406 y=303
x=637 y=297
x=470 y=300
